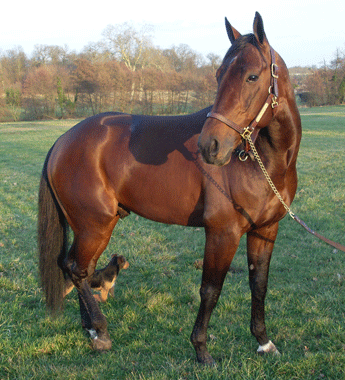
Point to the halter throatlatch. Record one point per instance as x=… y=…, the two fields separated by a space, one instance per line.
x=272 y=100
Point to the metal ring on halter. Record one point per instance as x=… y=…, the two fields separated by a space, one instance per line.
x=243 y=155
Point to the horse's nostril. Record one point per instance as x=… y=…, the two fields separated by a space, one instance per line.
x=214 y=148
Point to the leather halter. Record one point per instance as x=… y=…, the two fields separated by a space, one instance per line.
x=271 y=100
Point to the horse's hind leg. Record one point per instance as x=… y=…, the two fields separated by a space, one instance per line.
x=80 y=264
x=259 y=250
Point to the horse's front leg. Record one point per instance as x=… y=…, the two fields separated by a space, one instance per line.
x=259 y=250
x=220 y=249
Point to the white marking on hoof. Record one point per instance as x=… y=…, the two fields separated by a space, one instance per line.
x=268 y=348
x=93 y=334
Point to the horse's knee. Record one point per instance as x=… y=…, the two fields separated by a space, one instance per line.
x=208 y=296
x=209 y=293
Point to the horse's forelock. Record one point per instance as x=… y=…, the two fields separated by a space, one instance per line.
x=240 y=44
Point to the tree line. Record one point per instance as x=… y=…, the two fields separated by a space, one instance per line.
x=321 y=86
x=126 y=72
x=122 y=72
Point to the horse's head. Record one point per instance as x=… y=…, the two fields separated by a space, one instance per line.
x=245 y=81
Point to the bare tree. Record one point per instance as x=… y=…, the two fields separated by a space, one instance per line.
x=40 y=90
x=183 y=58
x=127 y=44
x=49 y=54
x=13 y=66
x=214 y=60
x=96 y=52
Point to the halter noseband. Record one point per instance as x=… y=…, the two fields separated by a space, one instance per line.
x=250 y=131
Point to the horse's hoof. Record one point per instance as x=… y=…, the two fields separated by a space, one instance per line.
x=206 y=359
x=268 y=348
x=100 y=342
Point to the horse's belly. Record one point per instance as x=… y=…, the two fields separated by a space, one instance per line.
x=163 y=195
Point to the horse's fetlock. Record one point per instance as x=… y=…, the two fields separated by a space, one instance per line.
x=198 y=340
x=209 y=292
x=100 y=324
x=258 y=330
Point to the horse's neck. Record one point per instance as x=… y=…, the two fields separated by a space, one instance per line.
x=280 y=141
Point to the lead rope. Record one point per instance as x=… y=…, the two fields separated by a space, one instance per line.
x=247 y=136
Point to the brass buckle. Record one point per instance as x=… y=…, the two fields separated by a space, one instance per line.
x=247 y=132
x=274 y=66
x=274 y=103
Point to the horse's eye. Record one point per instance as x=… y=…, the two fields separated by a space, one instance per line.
x=252 y=78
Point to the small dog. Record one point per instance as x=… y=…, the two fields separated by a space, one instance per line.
x=103 y=280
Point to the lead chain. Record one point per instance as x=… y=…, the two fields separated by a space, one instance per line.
x=267 y=176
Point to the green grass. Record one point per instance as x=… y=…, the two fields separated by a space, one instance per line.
x=157 y=298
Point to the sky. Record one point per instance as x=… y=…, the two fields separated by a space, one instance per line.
x=303 y=32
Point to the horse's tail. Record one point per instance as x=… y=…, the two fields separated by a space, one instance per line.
x=52 y=243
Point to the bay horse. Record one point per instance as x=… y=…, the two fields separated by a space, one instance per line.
x=112 y=164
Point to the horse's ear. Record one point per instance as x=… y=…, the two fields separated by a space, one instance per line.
x=259 y=30
x=233 y=34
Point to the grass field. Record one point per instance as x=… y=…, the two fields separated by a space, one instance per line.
x=151 y=317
